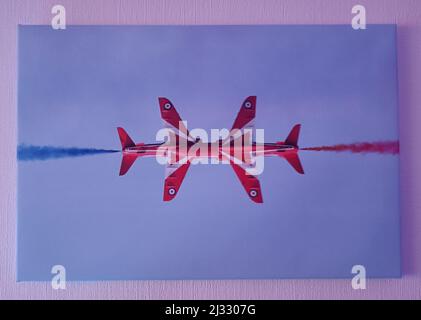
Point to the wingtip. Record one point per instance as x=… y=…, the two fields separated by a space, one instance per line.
x=163 y=100
x=257 y=196
x=252 y=99
x=170 y=192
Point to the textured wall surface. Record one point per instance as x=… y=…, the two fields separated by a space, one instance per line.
x=405 y=13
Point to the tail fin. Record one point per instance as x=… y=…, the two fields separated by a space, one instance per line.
x=292 y=157
x=292 y=138
x=128 y=159
x=125 y=139
x=294 y=161
x=126 y=163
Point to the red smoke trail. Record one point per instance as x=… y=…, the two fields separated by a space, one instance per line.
x=384 y=147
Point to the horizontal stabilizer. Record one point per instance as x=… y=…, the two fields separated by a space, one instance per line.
x=292 y=139
x=125 y=139
x=126 y=163
x=294 y=161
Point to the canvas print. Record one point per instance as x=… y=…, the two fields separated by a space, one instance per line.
x=207 y=152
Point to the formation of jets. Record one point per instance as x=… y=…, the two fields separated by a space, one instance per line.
x=238 y=150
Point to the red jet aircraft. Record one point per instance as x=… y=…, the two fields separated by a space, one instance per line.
x=226 y=149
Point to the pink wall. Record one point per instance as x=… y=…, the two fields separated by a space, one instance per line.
x=405 y=13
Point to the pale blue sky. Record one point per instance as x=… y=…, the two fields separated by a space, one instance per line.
x=76 y=86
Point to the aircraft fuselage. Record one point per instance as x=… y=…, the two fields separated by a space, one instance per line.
x=218 y=149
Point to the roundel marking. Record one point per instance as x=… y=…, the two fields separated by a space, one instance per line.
x=253 y=193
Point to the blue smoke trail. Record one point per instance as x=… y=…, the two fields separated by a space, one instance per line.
x=29 y=152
